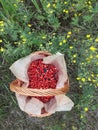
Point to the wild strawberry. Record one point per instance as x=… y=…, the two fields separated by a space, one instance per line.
x=42 y=76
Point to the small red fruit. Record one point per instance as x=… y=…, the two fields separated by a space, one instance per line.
x=42 y=76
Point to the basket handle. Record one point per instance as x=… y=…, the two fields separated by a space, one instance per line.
x=16 y=86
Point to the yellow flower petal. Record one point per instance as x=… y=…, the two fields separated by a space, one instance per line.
x=0 y=40
x=48 y=5
x=74 y=61
x=74 y=55
x=85 y=109
x=50 y=43
x=71 y=47
x=92 y=48
x=78 y=78
x=81 y=116
x=60 y=43
x=44 y=37
x=88 y=36
x=29 y=25
x=96 y=40
x=69 y=33
x=83 y=79
x=2 y=49
x=65 y=2
x=64 y=41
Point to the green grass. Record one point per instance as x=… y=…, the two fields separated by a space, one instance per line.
x=69 y=27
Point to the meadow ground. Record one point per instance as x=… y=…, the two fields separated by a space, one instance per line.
x=69 y=27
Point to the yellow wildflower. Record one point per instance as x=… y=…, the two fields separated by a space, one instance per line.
x=78 y=78
x=51 y=11
x=75 y=15
x=92 y=75
x=74 y=61
x=1 y=23
x=53 y=34
x=96 y=40
x=41 y=45
x=66 y=11
x=65 y=2
x=48 y=5
x=82 y=63
x=88 y=36
x=69 y=33
x=50 y=43
x=81 y=116
x=68 y=36
x=71 y=47
x=89 y=2
x=96 y=56
x=89 y=79
x=0 y=40
x=15 y=5
x=80 y=86
x=15 y=42
x=64 y=41
x=63 y=10
x=83 y=79
x=75 y=55
x=25 y=16
x=29 y=25
x=2 y=49
x=85 y=109
x=92 y=48
x=24 y=39
x=54 y=5
x=93 y=80
x=60 y=43
x=79 y=14
x=44 y=37
x=1 y=30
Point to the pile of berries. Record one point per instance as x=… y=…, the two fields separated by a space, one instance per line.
x=42 y=76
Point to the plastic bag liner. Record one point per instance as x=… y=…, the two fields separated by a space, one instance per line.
x=34 y=106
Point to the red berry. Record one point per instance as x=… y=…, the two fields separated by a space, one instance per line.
x=43 y=76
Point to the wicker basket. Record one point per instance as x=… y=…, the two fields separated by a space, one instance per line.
x=15 y=86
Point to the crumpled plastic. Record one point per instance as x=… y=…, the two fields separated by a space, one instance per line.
x=33 y=105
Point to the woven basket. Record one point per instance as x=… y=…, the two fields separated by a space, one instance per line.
x=15 y=86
